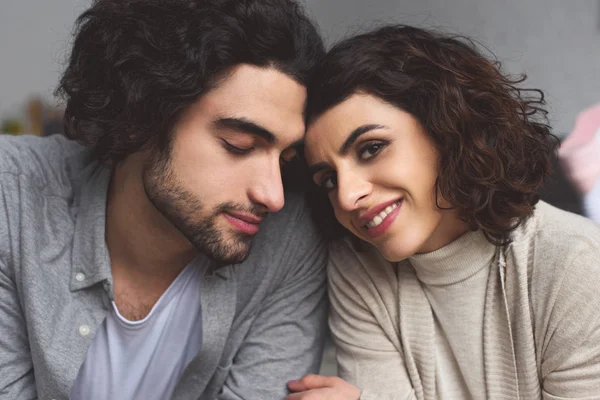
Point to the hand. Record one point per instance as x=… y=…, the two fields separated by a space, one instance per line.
x=319 y=387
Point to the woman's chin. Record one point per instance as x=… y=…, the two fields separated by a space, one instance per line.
x=397 y=250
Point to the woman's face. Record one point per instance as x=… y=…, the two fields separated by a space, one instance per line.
x=379 y=168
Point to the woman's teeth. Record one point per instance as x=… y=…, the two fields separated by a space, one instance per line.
x=378 y=219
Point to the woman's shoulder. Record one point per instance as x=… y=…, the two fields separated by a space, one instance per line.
x=361 y=279
x=360 y=262
x=564 y=258
x=560 y=248
x=351 y=252
x=560 y=235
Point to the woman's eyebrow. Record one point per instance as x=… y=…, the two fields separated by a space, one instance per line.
x=355 y=134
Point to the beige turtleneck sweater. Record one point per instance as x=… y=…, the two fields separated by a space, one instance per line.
x=471 y=320
x=454 y=279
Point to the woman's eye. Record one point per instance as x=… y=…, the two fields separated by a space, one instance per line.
x=236 y=149
x=370 y=150
x=328 y=182
x=287 y=157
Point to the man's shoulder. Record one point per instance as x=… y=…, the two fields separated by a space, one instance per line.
x=289 y=242
x=294 y=221
x=36 y=189
x=45 y=162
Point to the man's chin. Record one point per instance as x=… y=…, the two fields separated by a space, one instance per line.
x=228 y=260
x=224 y=253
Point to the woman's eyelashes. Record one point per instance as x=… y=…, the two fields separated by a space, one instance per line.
x=365 y=152
x=368 y=150
x=328 y=181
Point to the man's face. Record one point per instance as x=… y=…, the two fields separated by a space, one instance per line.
x=222 y=173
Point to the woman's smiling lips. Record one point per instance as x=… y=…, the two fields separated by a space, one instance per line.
x=378 y=219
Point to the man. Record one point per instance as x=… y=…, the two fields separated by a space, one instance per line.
x=126 y=269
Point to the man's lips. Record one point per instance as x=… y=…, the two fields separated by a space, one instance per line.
x=246 y=223
x=249 y=218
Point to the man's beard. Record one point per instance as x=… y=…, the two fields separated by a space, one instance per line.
x=186 y=212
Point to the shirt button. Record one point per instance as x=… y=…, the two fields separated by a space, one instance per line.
x=79 y=277
x=84 y=330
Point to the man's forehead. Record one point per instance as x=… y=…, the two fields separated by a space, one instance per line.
x=252 y=84
x=272 y=101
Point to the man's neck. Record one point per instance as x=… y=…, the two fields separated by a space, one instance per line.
x=141 y=242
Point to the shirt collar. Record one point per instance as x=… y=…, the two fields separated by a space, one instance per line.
x=90 y=262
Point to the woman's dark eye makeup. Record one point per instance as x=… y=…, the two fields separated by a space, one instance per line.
x=370 y=149
x=327 y=181
x=365 y=151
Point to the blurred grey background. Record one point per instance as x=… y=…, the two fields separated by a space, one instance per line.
x=556 y=42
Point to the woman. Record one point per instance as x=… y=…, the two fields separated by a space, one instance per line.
x=456 y=282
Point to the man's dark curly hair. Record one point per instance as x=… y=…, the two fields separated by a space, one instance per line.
x=136 y=65
x=492 y=137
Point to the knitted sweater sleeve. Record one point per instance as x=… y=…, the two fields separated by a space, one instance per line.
x=570 y=364
x=367 y=344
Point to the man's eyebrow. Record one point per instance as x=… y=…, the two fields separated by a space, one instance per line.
x=355 y=134
x=246 y=126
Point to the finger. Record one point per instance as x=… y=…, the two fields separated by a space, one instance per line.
x=314 y=394
x=295 y=396
x=297 y=386
x=311 y=381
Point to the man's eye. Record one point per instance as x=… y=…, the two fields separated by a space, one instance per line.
x=371 y=150
x=235 y=149
x=328 y=182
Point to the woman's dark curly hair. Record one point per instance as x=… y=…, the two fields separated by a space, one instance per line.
x=136 y=65
x=494 y=144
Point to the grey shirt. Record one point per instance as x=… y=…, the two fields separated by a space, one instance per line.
x=262 y=320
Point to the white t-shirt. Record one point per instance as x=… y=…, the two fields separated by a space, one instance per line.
x=145 y=359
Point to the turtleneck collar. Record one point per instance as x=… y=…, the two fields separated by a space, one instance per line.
x=454 y=262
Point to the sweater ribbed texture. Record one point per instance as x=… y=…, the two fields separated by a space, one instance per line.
x=541 y=325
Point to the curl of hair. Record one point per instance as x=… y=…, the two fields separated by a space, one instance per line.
x=137 y=65
x=492 y=137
